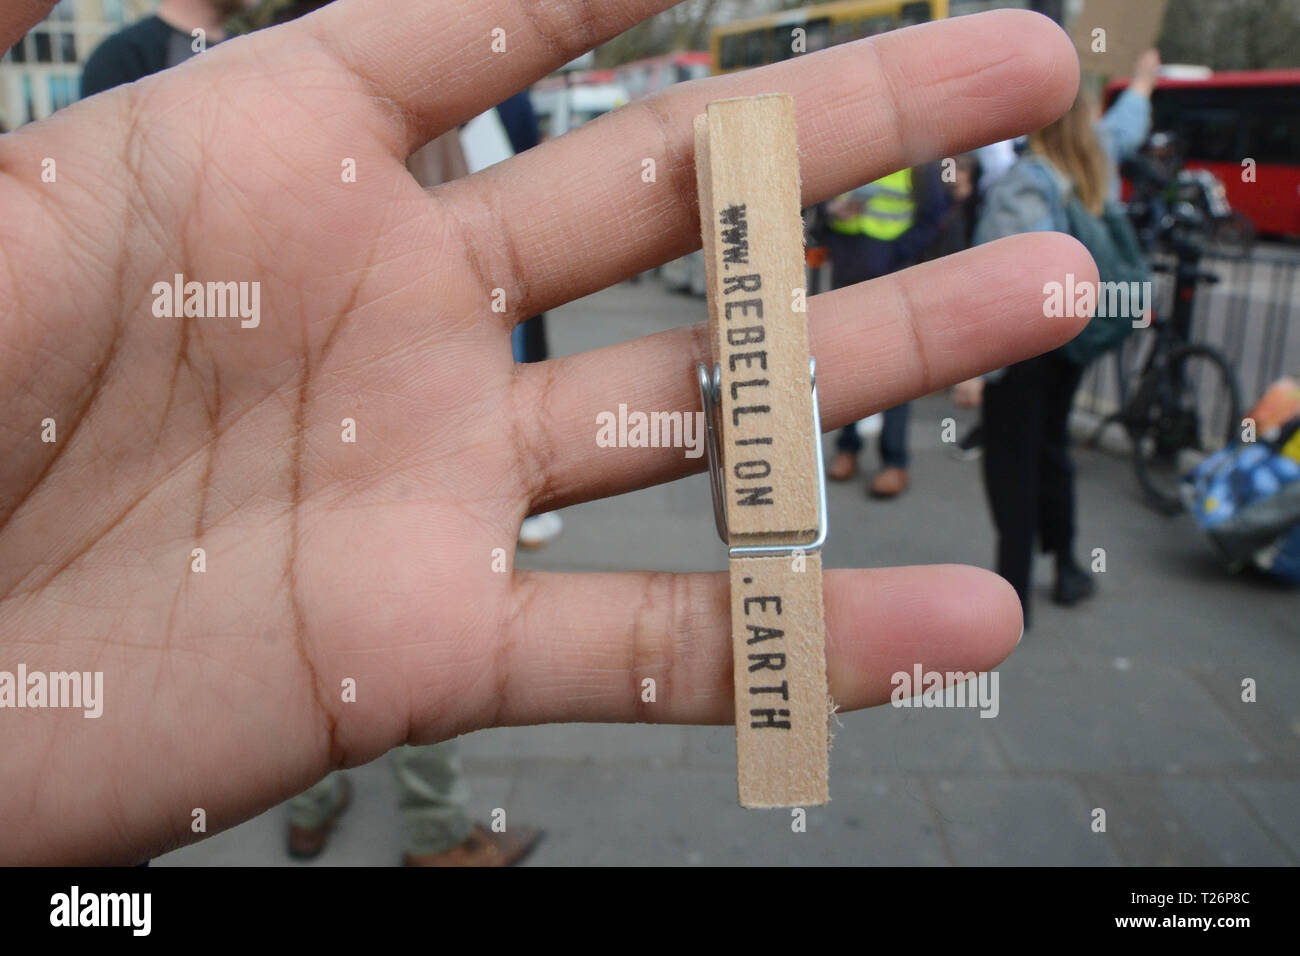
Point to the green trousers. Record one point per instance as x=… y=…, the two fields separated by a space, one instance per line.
x=434 y=797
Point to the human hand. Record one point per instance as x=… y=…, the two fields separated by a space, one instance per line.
x=968 y=394
x=1146 y=71
x=372 y=561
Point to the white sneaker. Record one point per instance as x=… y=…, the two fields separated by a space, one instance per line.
x=540 y=530
x=871 y=426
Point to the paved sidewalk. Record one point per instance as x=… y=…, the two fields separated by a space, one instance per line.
x=1131 y=703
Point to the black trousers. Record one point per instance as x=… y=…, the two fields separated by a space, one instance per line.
x=1028 y=474
x=535 y=349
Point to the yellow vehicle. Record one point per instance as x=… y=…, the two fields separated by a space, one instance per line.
x=781 y=36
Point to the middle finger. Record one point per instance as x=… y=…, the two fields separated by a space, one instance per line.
x=877 y=344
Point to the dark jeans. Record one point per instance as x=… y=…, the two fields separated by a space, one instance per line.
x=1028 y=475
x=893 y=438
x=857 y=259
x=528 y=341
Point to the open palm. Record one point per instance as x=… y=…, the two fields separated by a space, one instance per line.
x=328 y=561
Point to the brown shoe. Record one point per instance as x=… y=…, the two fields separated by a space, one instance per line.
x=481 y=848
x=844 y=467
x=890 y=483
x=306 y=843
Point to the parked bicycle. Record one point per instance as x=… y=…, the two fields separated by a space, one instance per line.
x=1186 y=403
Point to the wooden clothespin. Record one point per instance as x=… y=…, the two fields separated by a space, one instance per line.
x=763 y=434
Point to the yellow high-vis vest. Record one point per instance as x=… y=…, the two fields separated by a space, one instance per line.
x=888 y=209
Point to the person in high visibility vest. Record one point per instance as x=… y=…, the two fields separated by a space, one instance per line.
x=872 y=231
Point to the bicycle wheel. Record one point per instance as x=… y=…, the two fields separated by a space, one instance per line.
x=1187 y=408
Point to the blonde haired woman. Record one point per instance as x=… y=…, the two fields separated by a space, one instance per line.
x=1028 y=474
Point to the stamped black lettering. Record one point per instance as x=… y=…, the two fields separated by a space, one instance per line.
x=745 y=307
x=769 y=716
x=747 y=335
x=761 y=601
x=754 y=470
x=747 y=383
x=749 y=283
x=759 y=633
x=782 y=688
x=767 y=662
x=748 y=410
x=752 y=497
x=735 y=238
x=748 y=358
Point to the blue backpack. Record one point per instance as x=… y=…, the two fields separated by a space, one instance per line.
x=1113 y=243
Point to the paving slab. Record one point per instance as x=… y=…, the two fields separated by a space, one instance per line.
x=1212 y=811
x=998 y=822
x=1275 y=805
x=602 y=816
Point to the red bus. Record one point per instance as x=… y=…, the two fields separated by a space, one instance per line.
x=1223 y=119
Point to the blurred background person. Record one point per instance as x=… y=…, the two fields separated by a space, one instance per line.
x=1123 y=129
x=435 y=814
x=956 y=231
x=157 y=42
x=870 y=232
x=1028 y=472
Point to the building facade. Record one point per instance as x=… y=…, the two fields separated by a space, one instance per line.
x=42 y=73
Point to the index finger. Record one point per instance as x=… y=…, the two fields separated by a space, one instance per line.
x=863 y=109
x=430 y=65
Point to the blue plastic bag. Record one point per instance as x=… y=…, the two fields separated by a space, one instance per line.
x=1246 y=499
